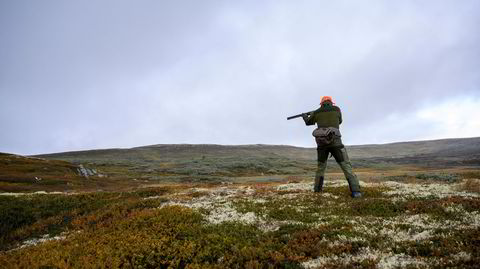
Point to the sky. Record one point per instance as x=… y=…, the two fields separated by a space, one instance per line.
x=78 y=75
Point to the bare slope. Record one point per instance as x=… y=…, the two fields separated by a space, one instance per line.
x=445 y=147
x=455 y=149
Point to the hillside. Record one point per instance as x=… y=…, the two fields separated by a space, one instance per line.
x=259 y=225
x=445 y=147
x=213 y=206
x=126 y=168
x=29 y=174
x=246 y=160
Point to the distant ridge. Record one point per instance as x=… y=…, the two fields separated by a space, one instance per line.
x=218 y=163
x=453 y=147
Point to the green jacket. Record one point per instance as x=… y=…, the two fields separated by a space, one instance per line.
x=328 y=115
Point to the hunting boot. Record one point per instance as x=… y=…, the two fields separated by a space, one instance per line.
x=318 y=184
x=321 y=166
x=353 y=183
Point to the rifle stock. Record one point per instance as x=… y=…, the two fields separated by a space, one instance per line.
x=299 y=115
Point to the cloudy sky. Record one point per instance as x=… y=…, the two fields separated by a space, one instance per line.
x=80 y=75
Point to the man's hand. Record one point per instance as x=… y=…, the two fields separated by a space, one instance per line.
x=305 y=116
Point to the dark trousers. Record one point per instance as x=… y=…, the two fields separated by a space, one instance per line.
x=341 y=157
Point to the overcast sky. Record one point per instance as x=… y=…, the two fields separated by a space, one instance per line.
x=80 y=75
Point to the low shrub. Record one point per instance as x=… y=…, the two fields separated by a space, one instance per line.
x=446 y=177
x=471 y=185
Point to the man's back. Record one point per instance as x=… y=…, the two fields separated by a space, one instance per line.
x=328 y=138
x=328 y=115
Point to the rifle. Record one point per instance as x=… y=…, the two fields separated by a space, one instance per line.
x=300 y=115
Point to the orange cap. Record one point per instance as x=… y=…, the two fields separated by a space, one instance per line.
x=325 y=99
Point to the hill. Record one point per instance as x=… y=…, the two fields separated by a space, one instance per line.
x=213 y=206
x=124 y=168
x=29 y=174
x=252 y=225
x=455 y=147
x=222 y=160
x=445 y=151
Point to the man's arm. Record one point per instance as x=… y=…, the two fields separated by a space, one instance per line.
x=339 y=114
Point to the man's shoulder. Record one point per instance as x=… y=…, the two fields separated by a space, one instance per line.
x=328 y=109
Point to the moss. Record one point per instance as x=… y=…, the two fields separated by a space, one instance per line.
x=315 y=242
x=437 y=207
x=170 y=237
x=152 y=191
x=470 y=174
x=447 y=177
x=126 y=230
x=471 y=185
x=27 y=216
x=285 y=231
x=467 y=240
x=377 y=207
x=339 y=191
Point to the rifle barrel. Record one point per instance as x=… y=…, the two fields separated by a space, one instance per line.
x=299 y=115
x=294 y=117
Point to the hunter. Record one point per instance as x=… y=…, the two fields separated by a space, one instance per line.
x=328 y=138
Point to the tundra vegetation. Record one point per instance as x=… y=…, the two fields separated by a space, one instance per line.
x=410 y=217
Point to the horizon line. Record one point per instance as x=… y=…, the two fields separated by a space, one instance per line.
x=239 y=145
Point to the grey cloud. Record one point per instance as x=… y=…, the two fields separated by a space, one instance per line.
x=122 y=73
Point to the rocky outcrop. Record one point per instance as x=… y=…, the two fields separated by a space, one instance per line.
x=86 y=172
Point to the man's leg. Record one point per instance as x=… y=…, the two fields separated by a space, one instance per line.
x=322 y=156
x=341 y=156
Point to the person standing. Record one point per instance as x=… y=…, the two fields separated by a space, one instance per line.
x=328 y=138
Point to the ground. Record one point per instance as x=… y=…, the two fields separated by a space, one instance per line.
x=405 y=220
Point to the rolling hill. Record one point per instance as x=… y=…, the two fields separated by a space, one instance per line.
x=460 y=149
x=113 y=168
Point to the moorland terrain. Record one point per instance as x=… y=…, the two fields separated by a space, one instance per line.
x=250 y=206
